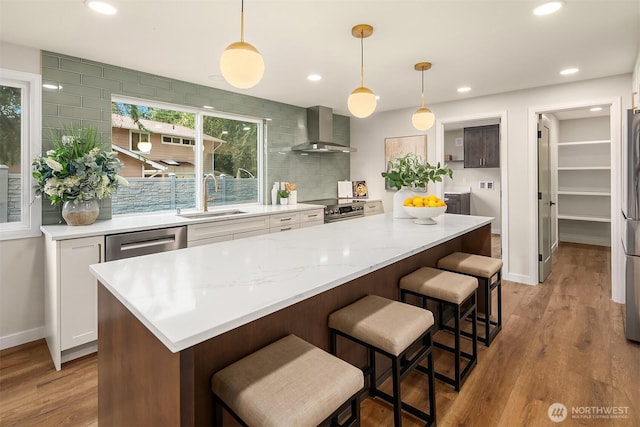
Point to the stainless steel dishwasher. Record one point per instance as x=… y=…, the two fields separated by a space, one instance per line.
x=137 y=243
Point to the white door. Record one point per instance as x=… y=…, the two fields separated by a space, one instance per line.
x=544 y=202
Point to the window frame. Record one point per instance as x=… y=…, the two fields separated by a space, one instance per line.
x=139 y=132
x=180 y=144
x=31 y=147
x=200 y=113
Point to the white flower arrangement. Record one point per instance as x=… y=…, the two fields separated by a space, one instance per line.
x=77 y=169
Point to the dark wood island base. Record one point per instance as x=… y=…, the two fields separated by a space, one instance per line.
x=142 y=383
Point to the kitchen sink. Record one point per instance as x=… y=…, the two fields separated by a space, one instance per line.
x=212 y=214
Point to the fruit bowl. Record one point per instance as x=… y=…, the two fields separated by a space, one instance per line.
x=425 y=215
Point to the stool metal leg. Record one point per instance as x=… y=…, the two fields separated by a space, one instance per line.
x=397 y=400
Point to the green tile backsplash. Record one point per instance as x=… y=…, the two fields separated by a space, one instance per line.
x=84 y=98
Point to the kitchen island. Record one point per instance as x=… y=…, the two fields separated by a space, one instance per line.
x=168 y=321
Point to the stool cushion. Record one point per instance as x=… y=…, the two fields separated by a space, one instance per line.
x=476 y=265
x=389 y=325
x=444 y=285
x=287 y=383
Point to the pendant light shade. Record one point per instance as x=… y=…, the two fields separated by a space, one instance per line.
x=423 y=118
x=362 y=102
x=241 y=64
x=144 y=147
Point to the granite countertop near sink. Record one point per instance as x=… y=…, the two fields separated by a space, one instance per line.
x=150 y=221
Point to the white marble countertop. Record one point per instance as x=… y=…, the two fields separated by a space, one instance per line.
x=150 y=221
x=187 y=296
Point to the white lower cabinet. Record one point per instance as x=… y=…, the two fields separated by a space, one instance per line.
x=71 y=297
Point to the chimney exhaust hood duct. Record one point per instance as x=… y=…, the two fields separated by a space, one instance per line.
x=320 y=134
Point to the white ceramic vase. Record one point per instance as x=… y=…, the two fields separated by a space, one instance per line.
x=284 y=200
x=398 y=199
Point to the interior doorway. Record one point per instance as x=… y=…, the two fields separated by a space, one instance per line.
x=486 y=186
x=584 y=159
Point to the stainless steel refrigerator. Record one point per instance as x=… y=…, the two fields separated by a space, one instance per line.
x=631 y=225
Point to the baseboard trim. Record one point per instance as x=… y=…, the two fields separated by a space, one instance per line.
x=519 y=278
x=20 y=338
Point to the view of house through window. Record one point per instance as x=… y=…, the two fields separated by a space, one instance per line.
x=161 y=154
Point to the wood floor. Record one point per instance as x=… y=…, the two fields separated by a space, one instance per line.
x=561 y=342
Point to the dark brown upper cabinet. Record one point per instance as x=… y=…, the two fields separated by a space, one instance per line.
x=482 y=147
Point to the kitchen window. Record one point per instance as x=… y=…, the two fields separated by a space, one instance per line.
x=20 y=141
x=177 y=140
x=138 y=137
x=184 y=145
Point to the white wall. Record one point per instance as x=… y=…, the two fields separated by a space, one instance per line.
x=367 y=135
x=21 y=260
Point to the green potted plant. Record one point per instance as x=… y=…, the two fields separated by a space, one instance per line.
x=410 y=173
x=77 y=172
x=284 y=196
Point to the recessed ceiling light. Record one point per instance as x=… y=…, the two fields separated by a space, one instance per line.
x=314 y=77
x=101 y=7
x=50 y=86
x=595 y=109
x=464 y=89
x=548 y=8
x=208 y=107
x=568 y=71
x=377 y=97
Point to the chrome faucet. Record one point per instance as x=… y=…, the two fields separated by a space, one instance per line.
x=205 y=190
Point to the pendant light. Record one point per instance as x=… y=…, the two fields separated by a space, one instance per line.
x=241 y=64
x=423 y=118
x=362 y=101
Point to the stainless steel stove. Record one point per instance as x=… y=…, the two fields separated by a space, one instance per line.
x=340 y=209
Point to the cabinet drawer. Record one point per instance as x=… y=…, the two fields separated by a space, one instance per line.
x=283 y=219
x=227 y=227
x=373 y=208
x=311 y=223
x=284 y=227
x=217 y=239
x=312 y=216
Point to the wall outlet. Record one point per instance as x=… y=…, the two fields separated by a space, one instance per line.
x=490 y=185
x=482 y=185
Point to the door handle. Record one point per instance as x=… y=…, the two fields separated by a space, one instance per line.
x=551 y=203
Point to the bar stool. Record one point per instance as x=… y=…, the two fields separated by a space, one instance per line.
x=288 y=383
x=395 y=330
x=483 y=268
x=458 y=292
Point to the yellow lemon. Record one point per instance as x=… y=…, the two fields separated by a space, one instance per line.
x=408 y=202
x=417 y=199
x=431 y=197
x=432 y=203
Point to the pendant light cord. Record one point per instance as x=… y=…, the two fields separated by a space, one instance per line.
x=422 y=95
x=242 y=22
x=362 y=58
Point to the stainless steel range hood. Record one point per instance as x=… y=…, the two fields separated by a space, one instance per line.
x=320 y=134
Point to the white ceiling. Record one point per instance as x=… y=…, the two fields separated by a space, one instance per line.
x=491 y=46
